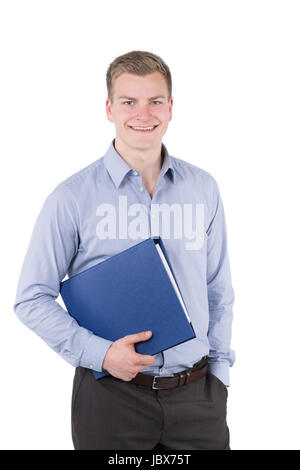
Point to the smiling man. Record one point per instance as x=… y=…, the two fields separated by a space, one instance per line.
x=141 y=108
x=176 y=399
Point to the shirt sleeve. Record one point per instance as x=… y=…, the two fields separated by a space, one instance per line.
x=220 y=293
x=53 y=244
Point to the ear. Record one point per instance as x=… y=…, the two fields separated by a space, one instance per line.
x=108 y=105
x=170 y=108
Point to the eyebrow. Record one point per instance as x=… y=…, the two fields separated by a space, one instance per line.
x=134 y=99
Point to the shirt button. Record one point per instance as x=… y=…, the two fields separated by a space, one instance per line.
x=91 y=366
x=141 y=189
x=135 y=173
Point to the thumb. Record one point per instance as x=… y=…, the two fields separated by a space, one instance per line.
x=135 y=338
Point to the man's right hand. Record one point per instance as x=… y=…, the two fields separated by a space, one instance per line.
x=121 y=359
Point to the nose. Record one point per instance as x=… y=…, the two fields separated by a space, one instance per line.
x=143 y=111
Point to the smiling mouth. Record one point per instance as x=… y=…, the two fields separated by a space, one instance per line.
x=144 y=130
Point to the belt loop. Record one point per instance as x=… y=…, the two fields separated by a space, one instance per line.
x=187 y=379
x=185 y=376
x=181 y=376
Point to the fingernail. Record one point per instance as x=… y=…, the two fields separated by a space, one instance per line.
x=148 y=333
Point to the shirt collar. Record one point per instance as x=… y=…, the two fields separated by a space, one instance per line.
x=118 y=168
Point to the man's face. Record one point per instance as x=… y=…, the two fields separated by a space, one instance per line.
x=140 y=102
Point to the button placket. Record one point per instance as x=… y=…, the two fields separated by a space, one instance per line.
x=159 y=185
x=139 y=181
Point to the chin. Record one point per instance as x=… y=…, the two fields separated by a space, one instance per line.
x=139 y=143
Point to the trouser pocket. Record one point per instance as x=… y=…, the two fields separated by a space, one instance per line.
x=77 y=382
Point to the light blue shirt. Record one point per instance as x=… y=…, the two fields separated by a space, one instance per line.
x=85 y=220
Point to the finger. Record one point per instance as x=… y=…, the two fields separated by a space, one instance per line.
x=144 y=366
x=144 y=360
x=135 y=338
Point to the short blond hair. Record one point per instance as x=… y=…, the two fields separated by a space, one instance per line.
x=137 y=63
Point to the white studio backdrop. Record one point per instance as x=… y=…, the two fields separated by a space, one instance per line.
x=236 y=75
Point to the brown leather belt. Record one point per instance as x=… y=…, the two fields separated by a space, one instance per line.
x=187 y=376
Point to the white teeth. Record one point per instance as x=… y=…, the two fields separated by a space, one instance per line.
x=143 y=128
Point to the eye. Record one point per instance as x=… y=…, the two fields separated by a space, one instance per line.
x=130 y=101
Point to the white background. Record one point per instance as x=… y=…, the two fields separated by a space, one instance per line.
x=236 y=75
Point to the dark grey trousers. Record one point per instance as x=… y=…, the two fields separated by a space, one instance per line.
x=112 y=414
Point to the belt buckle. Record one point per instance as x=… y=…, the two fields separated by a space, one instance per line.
x=153 y=382
x=159 y=377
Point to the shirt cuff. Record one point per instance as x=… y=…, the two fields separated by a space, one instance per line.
x=220 y=370
x=94 y=353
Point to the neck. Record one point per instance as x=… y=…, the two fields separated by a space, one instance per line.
x=147 y=162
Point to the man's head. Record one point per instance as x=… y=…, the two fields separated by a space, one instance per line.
x=139 y=88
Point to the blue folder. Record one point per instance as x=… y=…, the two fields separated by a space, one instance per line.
x=128 y=293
